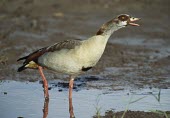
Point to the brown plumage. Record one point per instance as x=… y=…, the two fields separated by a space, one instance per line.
x=31 y=61
x=105 y=26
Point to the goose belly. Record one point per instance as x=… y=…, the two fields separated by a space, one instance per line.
x=61 y=61
x=72 y=61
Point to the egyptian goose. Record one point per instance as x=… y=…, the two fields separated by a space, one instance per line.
x=73 y=57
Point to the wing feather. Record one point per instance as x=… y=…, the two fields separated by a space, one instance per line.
x=67 y=44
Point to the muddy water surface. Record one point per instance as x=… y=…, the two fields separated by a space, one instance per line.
x=25 y=99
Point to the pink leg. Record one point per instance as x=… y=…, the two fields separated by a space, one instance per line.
x=45 y=83
x=70 y=97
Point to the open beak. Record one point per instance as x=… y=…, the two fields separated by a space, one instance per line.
x=132 y=20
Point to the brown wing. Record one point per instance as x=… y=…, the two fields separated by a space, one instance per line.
x=68 y=44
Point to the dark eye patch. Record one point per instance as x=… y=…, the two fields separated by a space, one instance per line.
x=123 y=17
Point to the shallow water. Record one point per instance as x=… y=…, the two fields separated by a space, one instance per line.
x=25 y=99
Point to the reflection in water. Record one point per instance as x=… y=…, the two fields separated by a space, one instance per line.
x=70 y=99
x=45 y=109
x=20 y=99
x=71 y=108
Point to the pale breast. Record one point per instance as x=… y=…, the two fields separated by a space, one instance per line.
x=71 y=61
x=91 y=51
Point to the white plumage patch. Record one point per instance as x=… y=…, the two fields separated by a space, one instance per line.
x=122 y=23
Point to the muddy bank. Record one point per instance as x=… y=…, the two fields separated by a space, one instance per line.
x=135 y=114
x=132 y=54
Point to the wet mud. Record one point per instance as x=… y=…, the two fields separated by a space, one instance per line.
x=136 y=58
x=133 y=114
